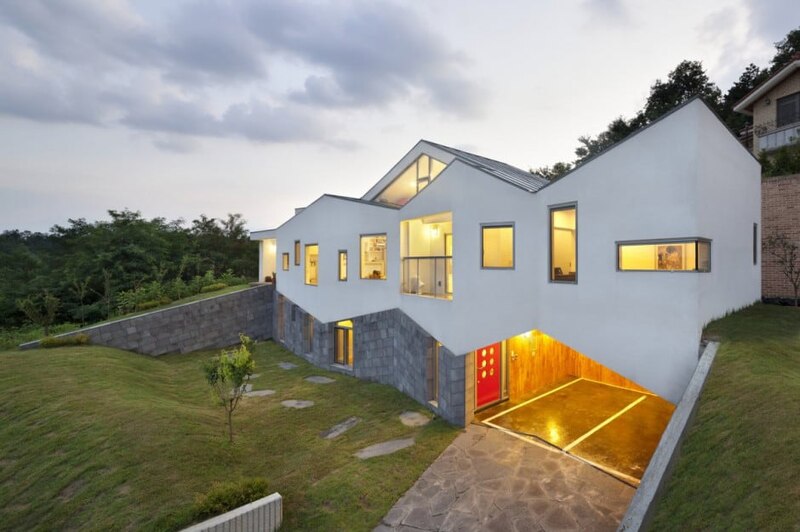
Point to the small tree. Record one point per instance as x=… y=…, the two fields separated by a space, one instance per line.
x=787 y=255
x=81 y=289
x=228 y=375
x=43 y=314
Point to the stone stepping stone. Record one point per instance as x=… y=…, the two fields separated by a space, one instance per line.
x=247 y=388
x=414 y=419
x=287 y=365
x=317 y=379
x=294 y=403
x=255 y=375
x=260 y=393
x=381 y=449
x=341 y=428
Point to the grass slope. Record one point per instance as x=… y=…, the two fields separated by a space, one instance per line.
x=740 y=463
x=97 y=439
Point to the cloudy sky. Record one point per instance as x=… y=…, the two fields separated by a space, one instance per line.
x=201 y=106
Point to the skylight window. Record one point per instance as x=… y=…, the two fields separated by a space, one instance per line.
x=413 y=179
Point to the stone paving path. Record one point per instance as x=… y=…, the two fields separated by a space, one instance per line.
x=294 y=403
x=489 y=480
x=287 y=365
x=317 y=379
x=259 y=393
x=414 y=419
x=340 y=428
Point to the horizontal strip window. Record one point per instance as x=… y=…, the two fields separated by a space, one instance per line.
x=669 y=255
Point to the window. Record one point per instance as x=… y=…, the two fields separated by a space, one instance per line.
x=687 y=255
x=373 y=257
x=308 y=333
x=312 y=258
x=432 y=371
x=342 y=265
x=285 y=262
x=426 y=256
x=788 y=110
x=564 y=244
x=755 y=244
x=297 y=253
x=413 y=179
x=343 y=343
x=497 y=246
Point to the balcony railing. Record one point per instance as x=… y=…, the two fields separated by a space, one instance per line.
x=772 y=138
x=428 y=276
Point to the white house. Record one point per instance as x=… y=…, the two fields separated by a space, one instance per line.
x=464 y=281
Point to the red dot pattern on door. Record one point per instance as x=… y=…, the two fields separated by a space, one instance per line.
x=487 y=374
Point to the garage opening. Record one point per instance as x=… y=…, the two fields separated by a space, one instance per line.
x=537 y=387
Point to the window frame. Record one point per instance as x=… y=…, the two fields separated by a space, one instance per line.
x=361 y=257
x=297 y=253
x=794 y=100
x=347 y=338
x=339 y=264
x=305 y=266
x=661 y=241
x=550 y=210
x=285 y=261
x=499 y=225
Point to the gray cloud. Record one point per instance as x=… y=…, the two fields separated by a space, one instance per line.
x=101 y=62
x=772 y=20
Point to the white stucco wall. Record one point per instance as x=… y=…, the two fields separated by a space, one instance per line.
x=685 y=176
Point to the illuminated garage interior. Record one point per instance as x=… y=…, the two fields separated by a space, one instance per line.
x=539 y=388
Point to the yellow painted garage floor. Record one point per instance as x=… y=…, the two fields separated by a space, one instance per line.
x=614 y=428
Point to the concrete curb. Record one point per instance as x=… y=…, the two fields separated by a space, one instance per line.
x=640 y=511
x=265 y=514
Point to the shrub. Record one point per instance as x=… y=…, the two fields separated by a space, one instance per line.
x=226 y=496
x=230 y=279
x=213 y=287
x=62 y=341
x=147 y=305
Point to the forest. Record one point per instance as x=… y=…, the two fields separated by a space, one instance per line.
x=84 y=272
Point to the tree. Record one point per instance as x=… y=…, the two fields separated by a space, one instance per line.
x=228 y=375
x=687 y=80
x=80 y=290
x=787 y=254
x=42 y=314
x=751 y=78
x=785 y=50
x=552 y=172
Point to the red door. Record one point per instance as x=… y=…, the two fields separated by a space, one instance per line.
x=487 y=375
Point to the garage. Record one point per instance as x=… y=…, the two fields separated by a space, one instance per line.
x=535 y=387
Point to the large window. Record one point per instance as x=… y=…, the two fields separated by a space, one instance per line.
x=285 y=262
x=312 y=264
x=411 y=181
x=342 y=265
x=564 y=244
x=297 y=253
x=373 y=257
x=497 y=246
x=678 y=255
x=788 y=110
x=343 y=343
x=426 y=256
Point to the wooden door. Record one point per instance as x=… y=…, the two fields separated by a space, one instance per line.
x=487 y=374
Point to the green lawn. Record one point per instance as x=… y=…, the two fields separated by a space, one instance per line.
x=739 y=467
x=11 y=338
x=99 y=439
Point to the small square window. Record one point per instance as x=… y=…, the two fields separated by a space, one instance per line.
x=497 y=246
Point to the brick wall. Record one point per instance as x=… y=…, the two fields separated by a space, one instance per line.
x=209 y=323
x=780 y=213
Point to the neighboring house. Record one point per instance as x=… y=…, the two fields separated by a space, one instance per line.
x=464 y=281
x=775 y=108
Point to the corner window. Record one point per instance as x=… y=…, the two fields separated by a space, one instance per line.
x=297 y=253
x=285 y=262
x=342 y=265
x=564 y=244
x=373 y=257
x=312 y=260
x=497 y=246
x=679 y=255
x=343 y=343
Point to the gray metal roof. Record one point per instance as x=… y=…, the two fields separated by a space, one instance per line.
x=510 y=174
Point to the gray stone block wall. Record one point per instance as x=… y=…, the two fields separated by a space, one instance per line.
x=390 y=348
x=206 y=324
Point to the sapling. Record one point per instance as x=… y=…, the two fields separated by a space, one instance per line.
x=228 y=375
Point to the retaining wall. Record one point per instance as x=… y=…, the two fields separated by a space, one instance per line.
x=263 y=515
x=206 y=324
x=780 y=213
